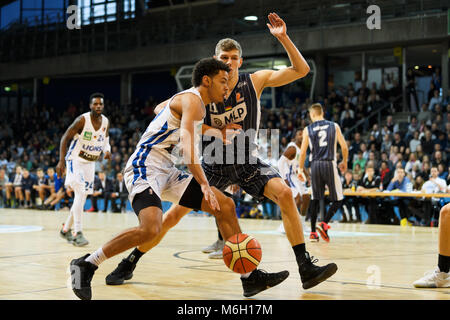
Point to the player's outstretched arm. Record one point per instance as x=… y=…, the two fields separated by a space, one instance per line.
x=344 y=148
x=107 y=148
x=74 y=128
x=192 y=111
x=301 y=160
x=276 y=78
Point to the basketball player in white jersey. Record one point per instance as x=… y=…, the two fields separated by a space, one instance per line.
x=288 y=166
x=90 y=137
x=151 y=176
x=259 y=180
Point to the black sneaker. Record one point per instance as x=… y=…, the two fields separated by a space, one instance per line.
x=312 y=275
x=81 y=273
x=260 y=280
x=124 y=271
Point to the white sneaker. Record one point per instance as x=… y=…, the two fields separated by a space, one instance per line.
x=214 y=247
x=281 y=228
x=216 y=254
x=434 y=279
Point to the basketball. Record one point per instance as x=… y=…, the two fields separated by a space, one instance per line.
x=242 y=253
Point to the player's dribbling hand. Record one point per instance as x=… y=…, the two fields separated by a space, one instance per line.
x=210 y=197
x=60 y=168
x=107 y=155
x=276 y=26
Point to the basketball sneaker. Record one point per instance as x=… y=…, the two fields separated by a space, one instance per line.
x=260 y=280
x=79 y=240
x=313 y=237
x=433 y=279
x=81 y=273
x=312 y=275
x=214 y=247
x=124 y=271
x=66 y=235
x=322 y=227
x=216 y=254
x=281 y=229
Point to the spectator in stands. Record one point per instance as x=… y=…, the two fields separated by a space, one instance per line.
x=386 y=144
x=427 y=143
x=433 y=185
x=59 y=194
x=401 y=183
x=41 y=184
x=14 y=187
x=350 y=202
x=411 y=94
x=103 y=188
x=120 y=193
x=28 y=181
x=437 y=159
x=435 y=100
x=364 y=91
x=370 y=183
x=357 y=172
x=393 y=127
x=443 y=173
x=411 y=163
x=399 y=142
x=3 y=181
x=385 y=174
x=426 y=170
x=414 y=142
x=424 y=115
x=360 y=161
x=355 y=146
x=431 y=91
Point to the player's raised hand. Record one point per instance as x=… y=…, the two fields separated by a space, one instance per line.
x=107 y=155
x=210 y=197
x=276 y=26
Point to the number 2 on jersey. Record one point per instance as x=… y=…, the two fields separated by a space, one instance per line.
x=322 y=138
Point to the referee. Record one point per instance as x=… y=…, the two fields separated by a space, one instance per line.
x=322 y=136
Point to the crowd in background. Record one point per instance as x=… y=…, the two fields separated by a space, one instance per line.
x=29 y=152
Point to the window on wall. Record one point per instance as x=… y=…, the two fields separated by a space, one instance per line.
x=99 y=11
x=9 y=14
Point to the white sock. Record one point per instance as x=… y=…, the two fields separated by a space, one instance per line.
x=97 y=257
x=77 y=209
x=69 y=222
x=245 y=275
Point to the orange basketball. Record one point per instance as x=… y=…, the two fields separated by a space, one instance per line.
x=242 y=253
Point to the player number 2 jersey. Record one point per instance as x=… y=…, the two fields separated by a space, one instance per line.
x=322 y=140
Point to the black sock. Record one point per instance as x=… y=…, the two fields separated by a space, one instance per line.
x=315 y=208
x=332 y=210
x=299 y=251
x=444 y=263
x=220 y=236
x=135 y=256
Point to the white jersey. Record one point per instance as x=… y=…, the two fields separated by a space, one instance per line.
x=297 y=186
x=156 y=144
x=293 y=164
x=88 y=145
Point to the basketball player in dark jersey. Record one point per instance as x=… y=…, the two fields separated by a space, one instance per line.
x=321 y=137
x=241 y=110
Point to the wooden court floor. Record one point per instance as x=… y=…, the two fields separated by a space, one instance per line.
x=375 y=262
